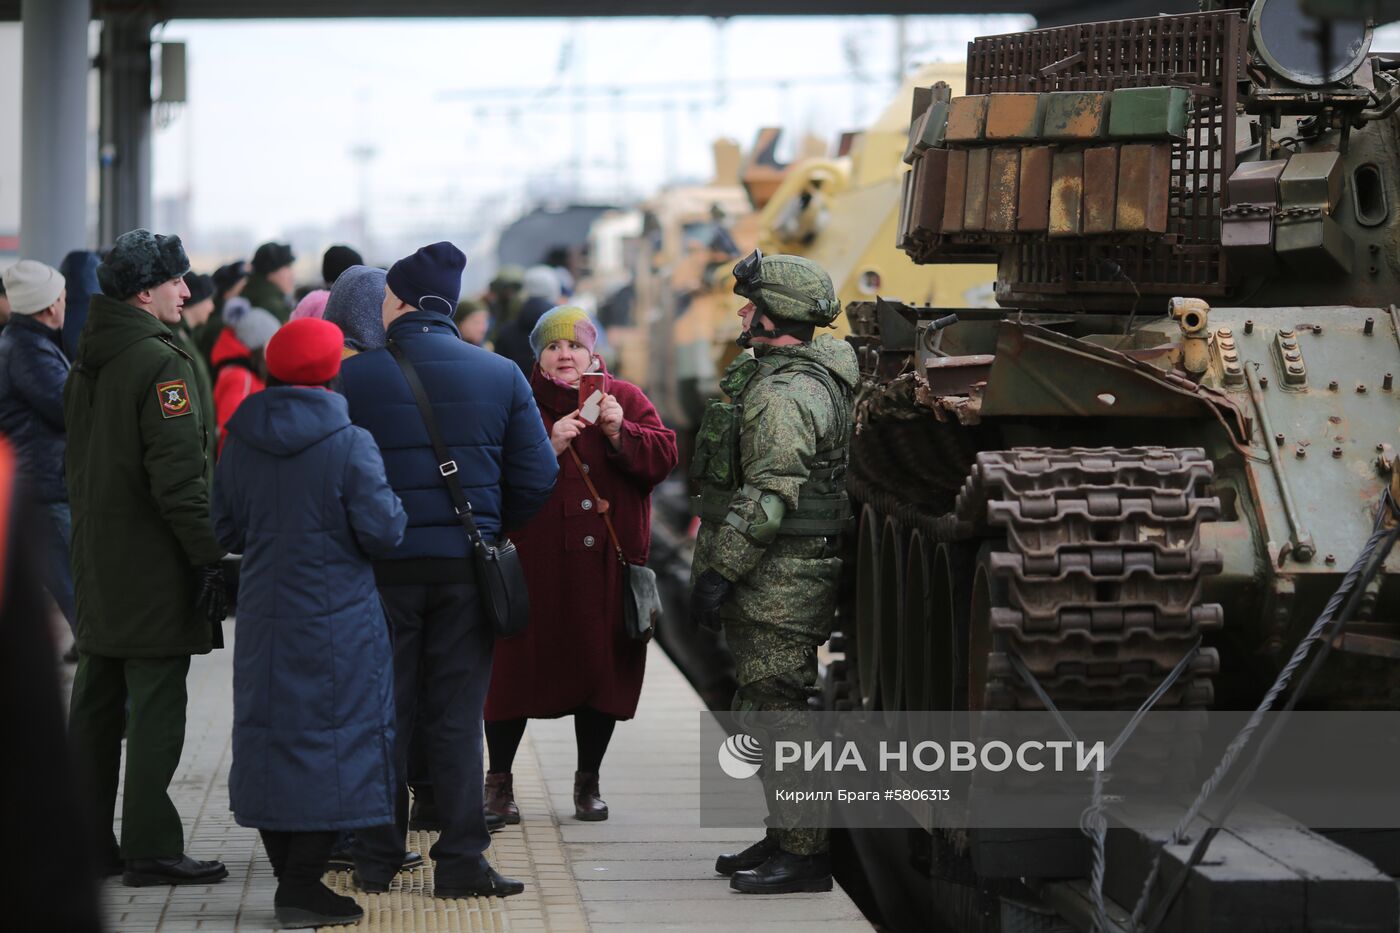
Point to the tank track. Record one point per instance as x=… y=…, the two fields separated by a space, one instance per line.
x=1098 y=588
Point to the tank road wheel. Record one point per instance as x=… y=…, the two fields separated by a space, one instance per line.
x=1097 y=586
x=889 y=602
x=948 y=635
x=867 y=640
x=981 y=641
x=917 y=622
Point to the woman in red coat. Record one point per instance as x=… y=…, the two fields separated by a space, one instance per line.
x=575 y=658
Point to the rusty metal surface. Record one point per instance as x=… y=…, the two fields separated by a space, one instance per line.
x=1066 y=194
x=930 y=188
x=955 y=191
x=1003 y=183
x=1203 y=51
x=1013 y=117
x=1076 y=116
x=1033 y=196
x=967 y=119
x=1101 y=574
x=1028 y=379
x=1144 y=188
x=975 y=201
x=1100 y=188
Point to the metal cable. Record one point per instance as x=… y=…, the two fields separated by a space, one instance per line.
x=1092 y=822
x=1246 y=733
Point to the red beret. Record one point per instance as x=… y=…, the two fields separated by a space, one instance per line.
x=305 y=352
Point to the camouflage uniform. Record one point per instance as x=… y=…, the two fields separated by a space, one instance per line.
x=791 y=410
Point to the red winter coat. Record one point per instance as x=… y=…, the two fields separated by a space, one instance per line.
x=575 y=652
x=234 y=378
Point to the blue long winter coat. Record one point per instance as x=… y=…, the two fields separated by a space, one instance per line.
x=490 y=425
x=300 y=492
x=33 y=369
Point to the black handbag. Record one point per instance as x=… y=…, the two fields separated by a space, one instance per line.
x=641 y=601
x=500 y=577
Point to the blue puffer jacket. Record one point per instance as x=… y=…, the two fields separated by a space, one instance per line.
x=489 y=422
x=300 y=492
x=32 y=372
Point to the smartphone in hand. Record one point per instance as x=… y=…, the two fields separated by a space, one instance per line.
x=590 y=396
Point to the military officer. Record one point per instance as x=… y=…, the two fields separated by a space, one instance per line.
x=145 y=560
x=771 y=464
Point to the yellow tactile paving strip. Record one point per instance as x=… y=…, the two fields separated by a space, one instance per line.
x=532 y=852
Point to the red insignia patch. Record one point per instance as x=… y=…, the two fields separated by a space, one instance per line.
x=174 y=398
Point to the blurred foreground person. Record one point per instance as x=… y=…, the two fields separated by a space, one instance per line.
x=773 y=507
x=301 y=494
x=576 y=658
x=150 y=590
x=442 y=638
x=33 y=370
x=44 y=811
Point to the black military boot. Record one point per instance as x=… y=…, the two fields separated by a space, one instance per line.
x=752 y=857
x=785 y=873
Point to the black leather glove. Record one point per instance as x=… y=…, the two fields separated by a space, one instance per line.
x=213 y=593
x=710 y=592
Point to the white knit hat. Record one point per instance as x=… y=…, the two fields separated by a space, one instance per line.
x=32 y=286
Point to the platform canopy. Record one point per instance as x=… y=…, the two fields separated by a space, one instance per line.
x=1046 y=12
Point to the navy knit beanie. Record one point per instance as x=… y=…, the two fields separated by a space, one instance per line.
x=430 y=279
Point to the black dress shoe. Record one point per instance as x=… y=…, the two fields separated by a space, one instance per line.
x=491 y=884
x=411 y=860
x=179 y=869
x=785 y=873
x=752 y=857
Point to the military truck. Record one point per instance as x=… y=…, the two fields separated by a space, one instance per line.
x=842 y=210
x=1166 y=448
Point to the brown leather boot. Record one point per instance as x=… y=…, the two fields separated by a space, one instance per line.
x=587 y=804
x=500 y=797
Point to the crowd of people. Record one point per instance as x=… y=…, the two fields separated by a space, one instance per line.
x=358 y=447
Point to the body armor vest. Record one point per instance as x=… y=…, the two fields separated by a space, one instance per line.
x=823 y=507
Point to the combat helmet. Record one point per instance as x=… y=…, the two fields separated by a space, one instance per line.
x=787 y=288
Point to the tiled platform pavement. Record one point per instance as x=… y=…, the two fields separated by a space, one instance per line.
x=647 y=868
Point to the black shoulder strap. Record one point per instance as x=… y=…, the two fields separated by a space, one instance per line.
x=446 y=465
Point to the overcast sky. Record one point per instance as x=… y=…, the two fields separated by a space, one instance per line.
x=460 y=110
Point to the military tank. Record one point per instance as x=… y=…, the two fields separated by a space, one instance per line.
x=1177 y=428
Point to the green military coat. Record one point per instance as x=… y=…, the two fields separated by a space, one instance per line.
x=202 y=389
x=138 y=482
x=263 y=294
x=788 y=419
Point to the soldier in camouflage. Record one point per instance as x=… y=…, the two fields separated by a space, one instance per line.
x=771 y=464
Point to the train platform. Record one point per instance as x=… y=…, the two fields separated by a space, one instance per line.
x=648 y=868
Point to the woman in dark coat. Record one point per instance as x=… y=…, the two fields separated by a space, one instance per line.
x=575 y=658
x=301 y=493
